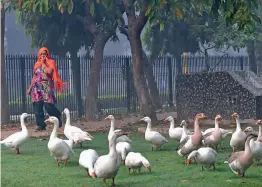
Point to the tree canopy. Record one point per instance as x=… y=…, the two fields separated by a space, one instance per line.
x=60 y=33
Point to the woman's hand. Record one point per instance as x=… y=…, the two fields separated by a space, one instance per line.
x=28 y=92
x=48 y=70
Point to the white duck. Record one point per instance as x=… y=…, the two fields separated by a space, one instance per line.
x=256 y=146
x=205 y=156
x=87 y=160
x=136 y=161
x=224 y=132
x=191 y=142
x=123 y=138
x=174 y=132
x=112 y=129
x=123 y=148
x=70 y=143
x=74 y=133
x=14 y=141
x=185 y=132
x=107 y=166
x=154 y=137
x=58 y=147
x=238 y=137
x=213 y=138
x=240 y=161
x=250 y=130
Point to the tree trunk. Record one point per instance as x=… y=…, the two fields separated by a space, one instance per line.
x=139 y=77
x=252 y=56
x=77 y=82
x=94 y=76
x=136 y=24
x=4 y=114
x=151 y=83
x=148 y=69
x=207 y=60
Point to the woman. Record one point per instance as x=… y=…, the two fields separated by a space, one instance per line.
x=45 y=74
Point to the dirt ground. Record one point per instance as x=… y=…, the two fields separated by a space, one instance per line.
x=129 y=124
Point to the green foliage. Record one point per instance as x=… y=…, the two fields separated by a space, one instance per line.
x=214 y=33
x=175 y=39
x=236 y=12
x=61 y=33
x=168 y=169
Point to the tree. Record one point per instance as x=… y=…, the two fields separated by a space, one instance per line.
x=148 y=67
x=138 y=12
x=102 y=23
x=254 y=43
x=4 y=115
x=235 y=12
x=100 y=19
x=61 y=33
x=176 y=37
x=134 y=28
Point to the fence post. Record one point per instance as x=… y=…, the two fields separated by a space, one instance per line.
x=179 y=65
x=23 y=85
x=128 y=82
x=241 y=63
x=170 y=81
x=77 y=82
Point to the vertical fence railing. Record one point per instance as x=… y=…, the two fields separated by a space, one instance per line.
x=116 y=92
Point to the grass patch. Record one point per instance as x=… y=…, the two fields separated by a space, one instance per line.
x=36 y=168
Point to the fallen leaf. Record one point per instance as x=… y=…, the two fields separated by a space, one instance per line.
x=184 y=181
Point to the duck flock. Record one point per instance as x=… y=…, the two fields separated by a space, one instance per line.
x=199 y=146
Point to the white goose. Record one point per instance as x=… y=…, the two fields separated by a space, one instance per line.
x=14 y=141
x=174 y=132
x=122 y=138
x=123 y=148
x=87 y=160
x=58 y=147
x=74 y=133
x=240 y=161
x=213 y=138
x=205 y=156
x=224 y=132
x=107 y=166
x=250 y=130
x=238 y=137
x=154 y=137
x=191 y=142
x=185 y=132
x=136 y=161
x=256 y=146
x=70 y=143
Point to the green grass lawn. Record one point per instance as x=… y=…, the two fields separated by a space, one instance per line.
x=36 y=168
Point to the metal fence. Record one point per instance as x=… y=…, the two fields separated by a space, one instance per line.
x=115 y=94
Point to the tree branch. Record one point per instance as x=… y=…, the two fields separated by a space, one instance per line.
x=138 y=22
x=123 y=31
x=141 y=20
x=91 y=25
x=82 y=20
x=130 y=11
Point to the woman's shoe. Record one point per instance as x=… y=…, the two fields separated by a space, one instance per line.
x=40 y=129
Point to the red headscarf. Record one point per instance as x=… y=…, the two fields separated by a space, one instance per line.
x=50 y=63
